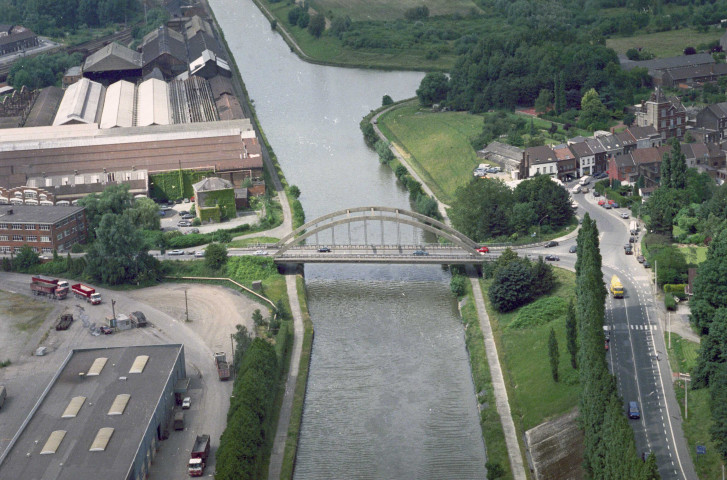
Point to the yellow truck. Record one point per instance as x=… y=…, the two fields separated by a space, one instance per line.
x=617 y=288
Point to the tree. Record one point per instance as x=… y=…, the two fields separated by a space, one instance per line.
x=543 y=278
x=665 y=171
x=712 y=350
x=718 y=401
x=556 y=89
x=386 y=100
x=481 y=209
x=433 y=89
x=25 y=259
x=294 y=15
x=144 y=213
x=629 y=119
x=544 y=101
x=257 y=318
x=662 y=207
x=678 y=166
x=512 y=286
x=294 y=191
x=243 y=339
x=560 y=95
x=339 y=25
x=317 y=25
x=571 y=334
x=215 y=255
x=114 y=199
x=671 y=266
x=710 y=285
x=593 y=114
x=303 y=19
x=553 y=354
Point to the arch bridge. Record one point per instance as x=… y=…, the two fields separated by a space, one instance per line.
x=296 y=247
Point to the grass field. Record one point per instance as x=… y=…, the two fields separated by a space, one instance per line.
x=438 y=144
x=534 y=396
x=245 y=242
x=694 y=255
x=664 y=44
x=682 y=357
x=388 y=10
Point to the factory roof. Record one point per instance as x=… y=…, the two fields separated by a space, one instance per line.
x=152 y=104
x=118 y=106
x=95 y=439
x=81 y=103
x=36 y=214
x=112 y=57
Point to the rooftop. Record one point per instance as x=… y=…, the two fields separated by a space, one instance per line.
x=36 y=214
x=210 y=184
x=97 y=439
x=112 y=57
x=671 y=62
x=81 y=103
x=45 y=107
x=541 y=154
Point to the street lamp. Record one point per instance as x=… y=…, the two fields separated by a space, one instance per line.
x=541 y=221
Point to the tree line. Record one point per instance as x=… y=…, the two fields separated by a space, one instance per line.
x=609 y=447
x=486 y=208
x=41 y=71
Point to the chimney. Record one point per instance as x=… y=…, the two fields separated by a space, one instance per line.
x=10 y=212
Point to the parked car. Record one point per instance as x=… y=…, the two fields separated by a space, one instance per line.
x=573 y=249
x=106 y=330
x=640 y=259
x=647 y=264
x=552 y=258
x=186 y=200
x=194 y=230
x=607 y=206
x=483 y=249
x=186 y=403
x=601 y=175
x=632 y=239
x=176 y=252
x=184 y=223
x=629 y=250
x=261 y=252
x=186 y=215
x=324 y=250
x=602 y=202
x=615 y=205
x=596 y=194
x=551 y=243
x=606 y=344
x=199 y=253
x=624 y=215
x=420 y=253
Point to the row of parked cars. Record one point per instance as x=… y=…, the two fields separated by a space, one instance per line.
x=483 y=169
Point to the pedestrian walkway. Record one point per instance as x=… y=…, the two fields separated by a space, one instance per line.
x=498 y=381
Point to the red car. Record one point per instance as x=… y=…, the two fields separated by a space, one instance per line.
x=483 y=250
x=601 y=202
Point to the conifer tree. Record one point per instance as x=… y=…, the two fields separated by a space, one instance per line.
x=571 y=334
x=554 y=355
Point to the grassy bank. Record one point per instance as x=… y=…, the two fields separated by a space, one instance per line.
x=296 y=415
x=524 y=355
x=245 y=242
x=683 y=357
x=664 y=44
x=490 y=423
x=694 y=255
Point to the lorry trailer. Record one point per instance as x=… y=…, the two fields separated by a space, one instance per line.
x=199 y=455
x=88 y=293
x=50 y=287
x=223 y=368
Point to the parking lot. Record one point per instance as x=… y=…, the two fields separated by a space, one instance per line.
x=173 y=215
x=213 y=314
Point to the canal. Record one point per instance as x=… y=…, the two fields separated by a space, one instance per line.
x=390 y=394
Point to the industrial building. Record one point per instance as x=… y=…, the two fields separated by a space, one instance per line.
x=102 y=416
x=43 y=228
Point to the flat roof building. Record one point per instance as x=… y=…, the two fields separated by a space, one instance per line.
x=102 y=416
x=41 y=227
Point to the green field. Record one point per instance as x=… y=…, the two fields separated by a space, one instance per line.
x=694 y=255
x=534 y=396
x=437 y=144
x=388 y=10
x=246 y=242
x=664 y=44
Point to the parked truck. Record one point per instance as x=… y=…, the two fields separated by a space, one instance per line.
x=64 y=321
x=198 y=457
x=585 y=180
x=617 y=288
x=50 y=287
x=88 y=293
x=179 y=421
x=223 y=368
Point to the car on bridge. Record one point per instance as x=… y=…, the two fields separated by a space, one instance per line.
x=324 y=250
x=483 y=249
x=260 y=252
x=420 y=253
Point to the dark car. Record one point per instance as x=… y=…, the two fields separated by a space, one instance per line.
x=551 y=243
x=106 y=330
x=607 y=206
x=647 y=264
x=552 y=258
x=615 y=205
x=596 y=194
x=632 y=239
x=634 y=412
x=573 y=249
x=324 y=250
x=640 y=259
x=420 y=253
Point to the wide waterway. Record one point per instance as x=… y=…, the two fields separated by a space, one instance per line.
x=389 y=394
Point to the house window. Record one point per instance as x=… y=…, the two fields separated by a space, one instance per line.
x=47 y=250
x=35 y=249
x=17 y=226
x=17 y=238
x=45 y=228
x=3 y=226
x=66 y=233
x=663 y=123
x=32 y=238
x=679 y=120
x=30 y=226
x=60 y=236
x=4 y=249
x=3 y=238
x=45 y=239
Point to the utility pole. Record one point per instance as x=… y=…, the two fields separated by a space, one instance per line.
x=113 y=310
x=655 y=277
x=186 y=309
x=668 y=326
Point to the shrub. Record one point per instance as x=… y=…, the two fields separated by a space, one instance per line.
x=458 y=285
x=540 y=312
x=670 y=303
x=215 y=255
x=511 y=287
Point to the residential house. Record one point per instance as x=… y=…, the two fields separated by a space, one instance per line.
x=567 y=164
x=695 y=153
x=667 y=115
x=628 y=143
x=645 y=137
x=585 y=158
x=611 y=144
x=600 y=155
x=622 y=168
x=713 y=118
x=648 y=163
x=538 y=161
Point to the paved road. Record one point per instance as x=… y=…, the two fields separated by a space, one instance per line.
x=637 y=353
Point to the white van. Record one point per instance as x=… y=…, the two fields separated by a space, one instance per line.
x=576 y=189
x=585 y=180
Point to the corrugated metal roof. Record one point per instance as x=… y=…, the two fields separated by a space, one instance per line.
x=119 y=405
x=97 y=366
x=74 y=406
x=118 y=106
x=139 y=364
x=53 y=442
x=152 y=103
x=113 y=57
x=102 y=439
x=80 y=103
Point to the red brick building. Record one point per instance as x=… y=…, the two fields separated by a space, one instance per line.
x=42 y=228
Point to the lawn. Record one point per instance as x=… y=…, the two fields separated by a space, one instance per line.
x=682 y=357
x=245 y=242
x=437 y=144
x=664 y=44
x=388 y=10
x=694 y=255
x=534 y=396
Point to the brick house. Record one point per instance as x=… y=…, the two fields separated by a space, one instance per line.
x=601 y=158
x=567 y=164
x=714 y=118
x=538 y=160
x=622 y=168
x=43 y=228
x=648 y=163
x=667 y=115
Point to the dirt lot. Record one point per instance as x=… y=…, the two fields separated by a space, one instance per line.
x=27 y=322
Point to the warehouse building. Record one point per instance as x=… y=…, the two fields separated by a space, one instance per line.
x=81 y=103
x=102 y=416
x=43 y=228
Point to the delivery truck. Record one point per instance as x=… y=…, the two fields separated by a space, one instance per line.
x=199 y=455
x=617 y=288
